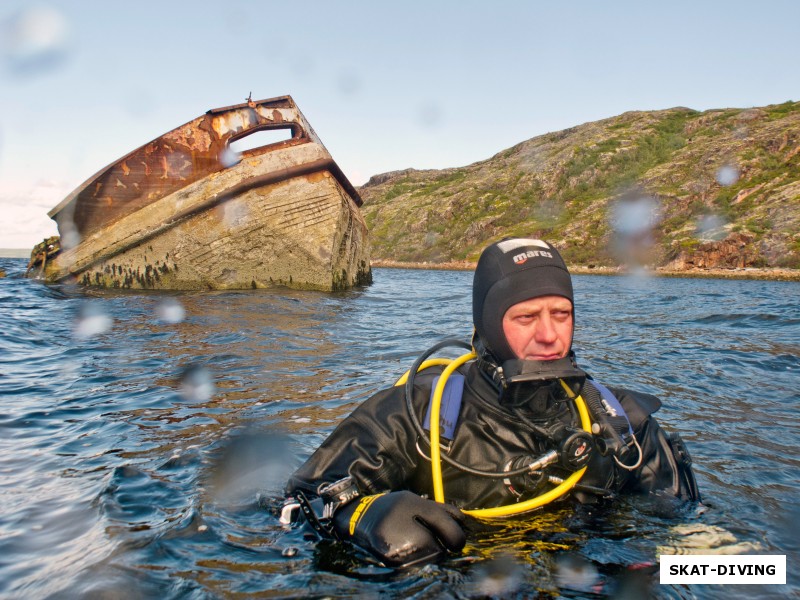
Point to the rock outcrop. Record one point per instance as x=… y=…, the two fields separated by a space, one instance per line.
x=736 y=251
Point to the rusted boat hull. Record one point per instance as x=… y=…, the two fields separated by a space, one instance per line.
x=279 y=214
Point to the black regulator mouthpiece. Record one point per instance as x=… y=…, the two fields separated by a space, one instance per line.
x=528 y=371
x=608 y=430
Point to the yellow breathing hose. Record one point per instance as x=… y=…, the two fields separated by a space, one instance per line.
x=436 y=454
x=436 y=457
x=431 y=362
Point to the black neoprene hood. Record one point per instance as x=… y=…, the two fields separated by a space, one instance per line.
x=509 y=272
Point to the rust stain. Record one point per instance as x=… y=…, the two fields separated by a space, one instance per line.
x=318 y=176
x=165 y=167
x=180 y=157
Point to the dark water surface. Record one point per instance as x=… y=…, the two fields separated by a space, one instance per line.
x=145 y=438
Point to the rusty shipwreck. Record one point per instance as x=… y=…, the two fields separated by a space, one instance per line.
x=188 y=211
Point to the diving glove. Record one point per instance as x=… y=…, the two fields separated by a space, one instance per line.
x=401 y=528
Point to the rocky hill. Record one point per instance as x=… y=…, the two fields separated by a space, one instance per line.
x=674 y=188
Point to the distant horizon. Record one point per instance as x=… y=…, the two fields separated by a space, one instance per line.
x=15 y=252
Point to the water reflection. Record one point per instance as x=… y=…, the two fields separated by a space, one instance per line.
x=113 y=481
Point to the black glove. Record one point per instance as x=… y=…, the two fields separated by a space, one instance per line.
x=401 y=528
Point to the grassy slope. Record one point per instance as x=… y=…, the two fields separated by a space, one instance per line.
x=567 y=187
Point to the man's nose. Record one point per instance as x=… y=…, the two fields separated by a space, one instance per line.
x=545 y=331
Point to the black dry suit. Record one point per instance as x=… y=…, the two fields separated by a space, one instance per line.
x=379 y=447
x=515 y=435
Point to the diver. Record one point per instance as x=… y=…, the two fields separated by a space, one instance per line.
x=511 y=425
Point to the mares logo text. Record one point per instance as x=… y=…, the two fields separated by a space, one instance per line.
x=524 y=256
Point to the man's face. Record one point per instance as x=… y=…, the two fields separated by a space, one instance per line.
x=539 y=328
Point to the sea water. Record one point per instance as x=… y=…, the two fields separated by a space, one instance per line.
x=145 y=438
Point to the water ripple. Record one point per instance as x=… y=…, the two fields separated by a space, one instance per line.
x=116 y=480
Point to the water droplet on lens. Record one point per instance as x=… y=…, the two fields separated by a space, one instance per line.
x=35 y=40
x=727 y=175
x=196 y=384
x=70 y=237
x=229 y=157
x=179 y=165
x=235 y=214
x=500 y=577
x=548 y=211
x=348 y=83
x=634 y=216
x=430 y=115
x=574 y=572
x=741 y=133
x=711 y=227
x=92 y=321
x=170 y=311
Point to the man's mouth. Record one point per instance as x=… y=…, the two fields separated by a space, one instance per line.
x=544 y=357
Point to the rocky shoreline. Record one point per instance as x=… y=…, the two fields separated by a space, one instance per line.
x=767 y=274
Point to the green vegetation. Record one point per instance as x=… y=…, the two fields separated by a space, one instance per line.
x=439 y=183
x=398 y=189
x=560 y=186
x=778 y=111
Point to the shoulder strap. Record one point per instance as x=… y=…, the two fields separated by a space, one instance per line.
x=454 y=391
x=450 y=406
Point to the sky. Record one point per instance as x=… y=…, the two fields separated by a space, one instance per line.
x=386 y=86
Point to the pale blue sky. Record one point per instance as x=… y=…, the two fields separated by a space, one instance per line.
x=386 y=86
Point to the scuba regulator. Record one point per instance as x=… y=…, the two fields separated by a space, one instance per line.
x=601 y=427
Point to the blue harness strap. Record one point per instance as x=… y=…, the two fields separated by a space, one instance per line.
x=450 y=406
x=453 y=393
